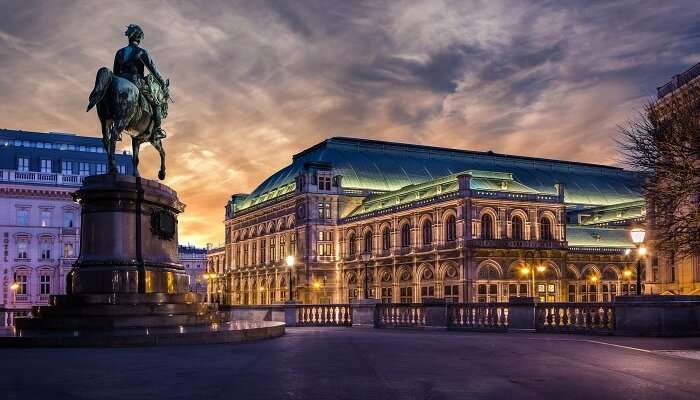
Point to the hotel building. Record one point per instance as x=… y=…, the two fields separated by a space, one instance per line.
x=413 y=223
x=39 y=221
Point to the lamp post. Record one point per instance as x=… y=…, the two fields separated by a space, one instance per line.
x=531 y=271
x=365 y=259
x=638 y=235
x=290 y=260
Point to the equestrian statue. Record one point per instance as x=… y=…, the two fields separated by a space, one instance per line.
x=129 y=101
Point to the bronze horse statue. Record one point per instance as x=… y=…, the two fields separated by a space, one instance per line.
x=122 y=108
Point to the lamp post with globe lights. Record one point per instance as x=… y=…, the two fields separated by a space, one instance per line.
x=638 y=235
x=290 y=260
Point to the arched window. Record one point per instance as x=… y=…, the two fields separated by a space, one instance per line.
x=517 y=227
x=368 y=242
x=487 y=226
x=451 y=229
x=352 y=245
x=406 y=235
x=386 y=239
x=546 y=229
x=427 y=232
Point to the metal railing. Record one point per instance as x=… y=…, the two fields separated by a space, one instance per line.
x=400 y=315
x=324 y=315
x=478 y=316
x=575 y=317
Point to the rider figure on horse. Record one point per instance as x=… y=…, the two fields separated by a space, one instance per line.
x=129 y=63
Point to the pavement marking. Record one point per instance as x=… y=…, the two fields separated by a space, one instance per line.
x=683 y=354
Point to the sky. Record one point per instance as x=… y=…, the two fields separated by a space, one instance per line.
x=255 y=82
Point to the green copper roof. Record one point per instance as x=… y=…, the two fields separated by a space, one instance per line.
x=585 y=236
x=613 y=213
x=480 y=180
x=388 y=166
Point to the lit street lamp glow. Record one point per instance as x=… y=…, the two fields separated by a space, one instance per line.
x=14 y=286
x=637 y=235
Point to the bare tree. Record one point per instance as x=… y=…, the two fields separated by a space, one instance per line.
x=664 y=144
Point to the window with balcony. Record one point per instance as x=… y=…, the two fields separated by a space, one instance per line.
x=66 y=168
x=46 y=166
x=21 y=281
x=517 y=228
x=45 y=218
x=406 y=235
x=427 y=232
x=22 y=217
x=45 y=284
x=451 y=229
x=68 y=219
x=546 y=229
x=487 y=226
x=325 y=247
x=22 y=164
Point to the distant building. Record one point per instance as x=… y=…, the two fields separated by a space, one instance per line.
x=194 y=259
x=419 y=222
x=216 y=274
x=39 y=221
x=675 y=275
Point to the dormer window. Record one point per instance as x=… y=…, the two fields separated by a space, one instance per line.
x=324 y=183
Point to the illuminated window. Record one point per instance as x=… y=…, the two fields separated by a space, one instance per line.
x=66 y=167
x=324 y=210
x=84 y=169
x=21 y=281
x=45 y=218
x=22 y=247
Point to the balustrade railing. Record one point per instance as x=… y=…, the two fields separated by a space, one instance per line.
x=324 y=315
x=478 y=316
x=400 y=315
x=575 y=317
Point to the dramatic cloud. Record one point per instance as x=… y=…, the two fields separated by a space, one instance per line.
x=255 y=82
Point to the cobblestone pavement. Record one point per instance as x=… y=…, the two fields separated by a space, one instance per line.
x=337 y=363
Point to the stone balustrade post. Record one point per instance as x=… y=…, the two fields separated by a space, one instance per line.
x=291 y=313
x=521 y=314
x=364 y=313
x=435 y=313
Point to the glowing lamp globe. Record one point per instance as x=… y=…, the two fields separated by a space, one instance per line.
x=637 y=235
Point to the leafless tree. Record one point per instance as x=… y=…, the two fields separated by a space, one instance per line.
x=664 y=144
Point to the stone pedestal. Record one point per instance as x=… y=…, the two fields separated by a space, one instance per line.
x=521 y=314
x=128 y=240
x=364 y=312
x=127 y=286
x=435 y=313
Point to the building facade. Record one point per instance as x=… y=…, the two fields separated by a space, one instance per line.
x=39 y=221
x=412 y=223
x=676 y=275
x=194 y=259
x=216 y=275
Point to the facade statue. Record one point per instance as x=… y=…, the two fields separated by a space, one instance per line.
x=129 y=101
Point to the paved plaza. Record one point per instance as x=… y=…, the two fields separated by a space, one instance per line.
x=329 y=363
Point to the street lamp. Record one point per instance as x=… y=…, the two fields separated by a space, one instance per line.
x=638 y=235
x=14 y=286
x=290 y=260
x=365 y=259
x=531 y=271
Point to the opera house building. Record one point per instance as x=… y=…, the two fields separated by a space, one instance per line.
x=351 y=218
